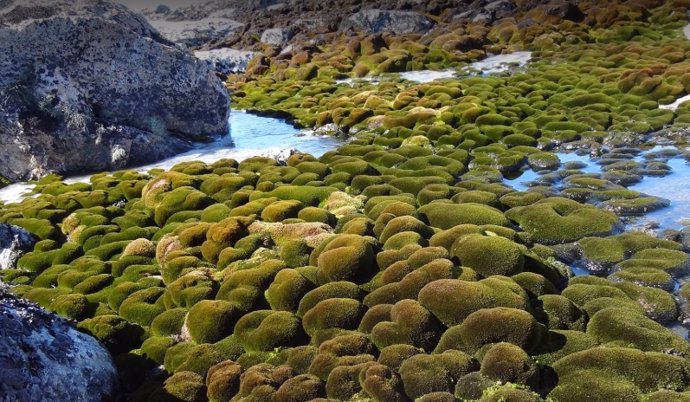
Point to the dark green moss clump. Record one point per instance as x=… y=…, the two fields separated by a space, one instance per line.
x=628 y=328
x=223 y=381
x=117 y=334
x=333 y=313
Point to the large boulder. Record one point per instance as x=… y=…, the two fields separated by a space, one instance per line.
x=43 y=358
x=88 y=85
x=398 y=22
x=276 y=36
x=14 y=241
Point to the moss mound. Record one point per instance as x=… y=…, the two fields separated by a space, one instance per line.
x=558 y=220
x=630 y=373
x=443 y=215
x=452 y=300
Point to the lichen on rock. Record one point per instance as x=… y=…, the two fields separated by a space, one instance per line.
x=44 y=358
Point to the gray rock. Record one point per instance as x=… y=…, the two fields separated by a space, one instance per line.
x=398 y=22
x=43 y=358
x=14 y=242
x=487 y=11
x=276 y=36
x=312 y=24
x=88 y=85
x=197 y=32
x=161 y=9
x=226 y=60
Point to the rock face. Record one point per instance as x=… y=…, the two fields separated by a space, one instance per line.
x=226 y=60
x=398 y=22
x=14 y=241
x=43 y=358
x=88 y=85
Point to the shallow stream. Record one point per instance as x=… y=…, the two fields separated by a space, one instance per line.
x=494 y=64
x=250 y=135
x=674 y=186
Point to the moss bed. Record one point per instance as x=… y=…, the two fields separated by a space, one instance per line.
x=398 y=266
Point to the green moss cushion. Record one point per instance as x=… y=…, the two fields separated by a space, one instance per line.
x=212 y=320
x=444 y=215
x=453 y=300
x=489 y=255
x=424 y=374
x=345 y=258
x=115 y=332
x=223 y=381
x=508 y=363
x=490 y=325
x=558 y=220
x=616 y=373
x=410 y=323
x=265 y=330
x=623 y=327
x=333 y=313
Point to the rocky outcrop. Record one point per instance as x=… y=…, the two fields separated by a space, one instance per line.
x=226 y=60
x=196 y=24
x=43 y=358
x=398 y=22
x=88 y=85
x=199 y=10
x=194 y=33
x=489 y=11
x=14 y=241
x=306 y=18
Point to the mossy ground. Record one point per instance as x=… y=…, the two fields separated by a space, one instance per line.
x=397 y=266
